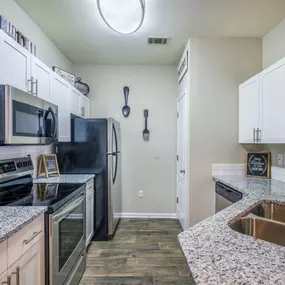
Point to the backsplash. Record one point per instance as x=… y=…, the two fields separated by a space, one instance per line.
x=21 y=151
x=274 y=149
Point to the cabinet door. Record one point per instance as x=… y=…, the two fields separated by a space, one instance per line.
x=249 y=109
x=15 y=69
x=41 y=79
x=60 y=96
x=4 y=278
x=75 y=102
x=85 y=107
x=89 y=217
x=273 y=102
x=29 y=269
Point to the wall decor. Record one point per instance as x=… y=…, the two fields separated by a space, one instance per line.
x=48 y=165
x=126 y=109
x=65 y=75
x=258 y=164
x=182 y=67
x=146 y=133
x=82 y=87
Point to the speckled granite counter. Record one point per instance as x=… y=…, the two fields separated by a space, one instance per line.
x=66 y=178
x=218 y=255
x=15 y=218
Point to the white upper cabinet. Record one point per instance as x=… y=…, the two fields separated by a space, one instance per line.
x=60 y=95
x=84 y=107
x=249 y=110
x=273 y=103
x=75 y=101
x=15 y=64
x=40 y=79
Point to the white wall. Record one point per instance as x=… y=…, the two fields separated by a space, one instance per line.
x=147 y=166
x=274 y=45
x=47 y=52
x=217 y=67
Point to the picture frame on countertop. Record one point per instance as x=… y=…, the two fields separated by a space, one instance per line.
x=48 y=165
x=69 y=77
x=258 y=164
x=182 y=67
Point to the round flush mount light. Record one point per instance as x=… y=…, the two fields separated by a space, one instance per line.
x=122 y=16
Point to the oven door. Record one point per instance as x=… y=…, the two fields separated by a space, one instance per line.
x=67 y=239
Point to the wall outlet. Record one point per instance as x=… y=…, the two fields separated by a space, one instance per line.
x=140 y=193
x=280 y=159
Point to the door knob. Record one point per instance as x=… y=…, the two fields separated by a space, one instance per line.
x=182 y=171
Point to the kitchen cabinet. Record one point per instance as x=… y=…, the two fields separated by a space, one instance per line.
x=250 y=110
x=22 y=256
x=75 y=101
x=15 y=64
x=4 y=278
x=29 y=268
x=89 y=210
x=60 y=96
x=273 y=102
x=84 y=107
x=40 y=79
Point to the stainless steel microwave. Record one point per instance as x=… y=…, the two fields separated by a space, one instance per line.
x=26 y=119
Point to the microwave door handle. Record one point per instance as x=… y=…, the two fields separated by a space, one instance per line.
x=51 y=139
x=58 y=217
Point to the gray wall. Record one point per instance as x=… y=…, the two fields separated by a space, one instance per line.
x=217 y=67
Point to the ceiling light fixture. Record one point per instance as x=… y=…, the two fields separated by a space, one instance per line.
x=122 y=16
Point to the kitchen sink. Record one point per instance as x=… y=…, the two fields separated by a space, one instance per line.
x=270 y=211
x=260 y=228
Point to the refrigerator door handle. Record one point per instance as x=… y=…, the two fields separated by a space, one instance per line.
x=113 y=153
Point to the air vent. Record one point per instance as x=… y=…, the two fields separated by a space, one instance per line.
x=157 y=41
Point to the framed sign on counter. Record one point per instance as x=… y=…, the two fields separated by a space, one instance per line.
x=48 y=165
x=258 y=164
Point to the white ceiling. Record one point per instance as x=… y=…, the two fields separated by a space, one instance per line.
x=77 y=29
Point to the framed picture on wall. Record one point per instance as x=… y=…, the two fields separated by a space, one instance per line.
x=182 y=67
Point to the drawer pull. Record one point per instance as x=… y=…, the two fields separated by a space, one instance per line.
x=17 y=273
x=35 y=234
x=8 y=282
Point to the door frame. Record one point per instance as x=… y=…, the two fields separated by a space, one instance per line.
x=187 y=166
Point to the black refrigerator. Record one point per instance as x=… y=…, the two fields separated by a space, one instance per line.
x=95 y=148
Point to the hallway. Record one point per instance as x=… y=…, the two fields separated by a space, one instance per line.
x=143 y=252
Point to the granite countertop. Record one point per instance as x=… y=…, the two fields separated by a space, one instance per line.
x=218 y=255
x=66 y=178
x=15 y=218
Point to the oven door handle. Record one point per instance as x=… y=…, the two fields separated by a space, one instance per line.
x=69 y=209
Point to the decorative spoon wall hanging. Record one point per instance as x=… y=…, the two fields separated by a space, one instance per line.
x=126 y=109
x=145 y=131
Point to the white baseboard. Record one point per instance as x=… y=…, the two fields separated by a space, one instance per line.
x=278 y=173
x=149 y=215
x=228 y=169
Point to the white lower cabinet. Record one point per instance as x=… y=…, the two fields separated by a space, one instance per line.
x=22 y=256
x=89 y=210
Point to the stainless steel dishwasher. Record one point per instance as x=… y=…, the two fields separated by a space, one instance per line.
x=226 y=196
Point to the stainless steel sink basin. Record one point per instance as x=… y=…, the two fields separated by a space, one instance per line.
x=270 y=211
x=261 y=228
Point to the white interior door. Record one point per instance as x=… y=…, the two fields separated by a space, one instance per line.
x=181 y=161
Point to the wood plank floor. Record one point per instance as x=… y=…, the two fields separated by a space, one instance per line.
x=143 y=252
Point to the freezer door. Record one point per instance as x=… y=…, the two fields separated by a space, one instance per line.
x=114 y=175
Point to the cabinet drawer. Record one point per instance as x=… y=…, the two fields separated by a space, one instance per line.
x=24 y=239
x=3 y=256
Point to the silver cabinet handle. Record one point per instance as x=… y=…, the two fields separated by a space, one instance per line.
x=182 y=171
x=35 y=83
x=17 y=273
x=257 y=134
x=31 y=83
x=35 y=234
x=83 y=111
x=8 y=282
x=254 y=132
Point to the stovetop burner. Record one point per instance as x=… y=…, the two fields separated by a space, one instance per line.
x=28 y=194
